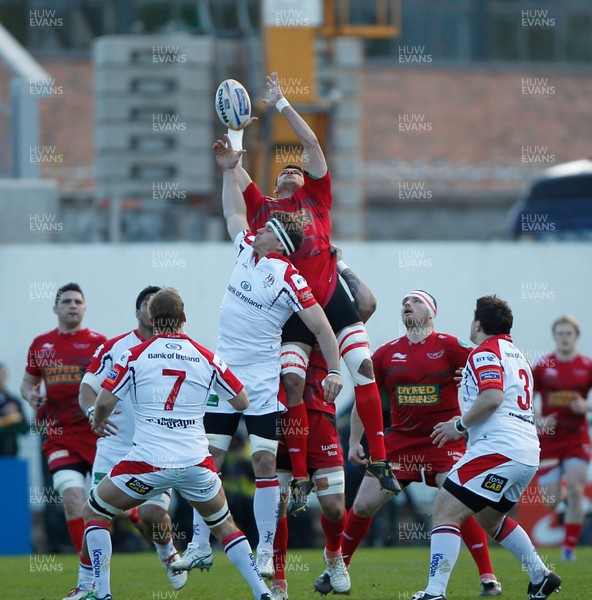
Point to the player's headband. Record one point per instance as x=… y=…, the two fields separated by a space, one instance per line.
x=426 y=298
x=282 y=235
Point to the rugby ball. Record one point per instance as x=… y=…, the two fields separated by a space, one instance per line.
x=233 y=104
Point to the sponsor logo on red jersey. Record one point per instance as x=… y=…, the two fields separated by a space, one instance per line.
x=418 y=395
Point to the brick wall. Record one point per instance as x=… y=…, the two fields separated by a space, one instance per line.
x=477 y=118
x=479 y=121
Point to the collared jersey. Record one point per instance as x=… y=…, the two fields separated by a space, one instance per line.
x=260 y=297
x=169 y=379
x=101 y=365
x=310 y=205
x=60 y=359
x=419 y=378
x=559 y=383
x=510 y=430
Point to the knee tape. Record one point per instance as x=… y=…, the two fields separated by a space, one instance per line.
x=67 y=478
x=354 y=348
x=101 y=507
x=219 y=440
x=327 y=484
x=294 y=360
x=260 y=443
x=218 y=517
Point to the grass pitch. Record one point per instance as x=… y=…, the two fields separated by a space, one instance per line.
x=377 y=574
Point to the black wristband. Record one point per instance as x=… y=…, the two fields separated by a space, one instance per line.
x=458 y=425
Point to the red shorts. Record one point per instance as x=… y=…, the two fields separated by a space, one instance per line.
x=71 y=448
x=324 y=451
x=556 y=449
x=410 y=454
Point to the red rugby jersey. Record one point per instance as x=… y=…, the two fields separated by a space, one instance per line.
x=61 y=359
x=560 y=382
x=419 y=379
x=310 y=204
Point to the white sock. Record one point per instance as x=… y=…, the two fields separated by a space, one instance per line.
x=513 y=538
x=444 y=549
x=240 y=554
x=166 y=550
x=236 y=138
x=85 y=577
x=266 y=506
x=98 y=539
x=201 y=532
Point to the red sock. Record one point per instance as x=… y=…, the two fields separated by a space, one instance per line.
x=76 y=531
x=370 y=411
x=572 y=534
x=280 y=548
x=476 y=541
x=356 y=529
x=295 y=430
x=333 y=534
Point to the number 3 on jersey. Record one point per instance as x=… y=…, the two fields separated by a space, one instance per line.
x=525 y=403
x=180 y=375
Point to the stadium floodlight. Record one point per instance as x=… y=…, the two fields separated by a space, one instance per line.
x=18 y=60
x=24 y=104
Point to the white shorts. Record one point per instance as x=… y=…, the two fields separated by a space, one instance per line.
x=262 y=382
x=195 y=483
x=488 y=480
x=106 y=458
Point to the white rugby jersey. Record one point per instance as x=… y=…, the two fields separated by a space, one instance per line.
x=261 y=296
x=510 y=430
x=100 y=366
x=169 y=379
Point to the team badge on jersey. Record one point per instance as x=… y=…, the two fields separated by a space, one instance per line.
x=494 y=483
x=269 y=281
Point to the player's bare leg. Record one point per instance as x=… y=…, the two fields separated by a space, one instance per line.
x=330 y=490
x=295 y=422
x=217 y=516
x=198 y=554
x=158 y=524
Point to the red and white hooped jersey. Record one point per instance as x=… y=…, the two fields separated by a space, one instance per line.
x=100 y=366
x=311 y=205
x=260 y=297
x=510 y=430
x=559 y=383
x=169 y=379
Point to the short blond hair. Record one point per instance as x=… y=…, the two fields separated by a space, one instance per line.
x=566 y=320
x=166 y=309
